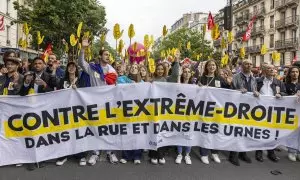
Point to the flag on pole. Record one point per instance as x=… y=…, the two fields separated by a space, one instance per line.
x=2 y=23
x=247 y=35
x=210 y=21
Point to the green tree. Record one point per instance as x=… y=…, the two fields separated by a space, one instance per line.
x=180 y=38
x=57 y=19
x=98 y=45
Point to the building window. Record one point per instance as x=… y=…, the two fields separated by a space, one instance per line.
x=8 y=35
x=282 y=15
x=7 y=7
x=262 y=6
x=294 y=35
x=282 y=59
x=262 y=59
x=272 y=41
x=294 y=12
x=272 y=4
x=294 y=54
x=255 y=9
x=271 y=59
x=262 y=22
x=254 y=42
x=254 y=61
x=282 y=36
x=271 y=21
x=294 y=15
x=262 y=41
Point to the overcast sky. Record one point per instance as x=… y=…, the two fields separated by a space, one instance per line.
x=149 y=16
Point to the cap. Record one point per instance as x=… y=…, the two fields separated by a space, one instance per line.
x=13 y=59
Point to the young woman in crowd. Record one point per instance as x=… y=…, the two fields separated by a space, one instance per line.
x=144 y=73
x=71 y=80
x=292 y=83
x=122 y=78
x=211 y=78
x=133 y=77
x=185 y=78
x=160 y=75
x=134 y=73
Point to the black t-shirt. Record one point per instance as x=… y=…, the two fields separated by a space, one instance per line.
x=291 y=88
x=210 y=81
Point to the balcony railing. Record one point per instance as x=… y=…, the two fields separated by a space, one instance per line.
x=258 y=13
x=290 y=21
x=285 y=3
x=242 y=19
x=291 y=2
x=287 y=43
x=254 y=49
x=239 y=34
x=258 y=30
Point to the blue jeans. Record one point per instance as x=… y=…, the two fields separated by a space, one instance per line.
x=187 y=149
x=295 y=151
x=204 y=151
x=132 y=155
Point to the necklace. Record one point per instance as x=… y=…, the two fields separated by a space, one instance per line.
x=208 y=83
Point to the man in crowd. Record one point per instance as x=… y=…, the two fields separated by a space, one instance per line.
x=245 y=82
x=54 y=67
x=10 y=80
x=25 y=66
x=269 y=86
x=100 y=73
x=44 y=82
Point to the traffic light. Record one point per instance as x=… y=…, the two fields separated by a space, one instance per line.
x=228 y=18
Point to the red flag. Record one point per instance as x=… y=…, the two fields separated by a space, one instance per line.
x=247 y=35
x=210 y=21
x=2 y=23
x=47 y=52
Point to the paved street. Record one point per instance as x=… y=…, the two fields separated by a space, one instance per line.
x=104 y=170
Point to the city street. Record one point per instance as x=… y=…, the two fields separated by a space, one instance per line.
x=105 y=170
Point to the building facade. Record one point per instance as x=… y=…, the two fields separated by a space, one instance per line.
x=194 y=21
x=190 y=20
x=12 y=32
x=276 y=27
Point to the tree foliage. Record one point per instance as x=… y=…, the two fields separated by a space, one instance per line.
x=99 y=45
x=180 y=38
x=57 y=19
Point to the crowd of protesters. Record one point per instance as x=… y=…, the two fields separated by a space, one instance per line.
x=23 y=77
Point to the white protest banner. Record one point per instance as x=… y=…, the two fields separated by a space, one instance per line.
x=142 y=116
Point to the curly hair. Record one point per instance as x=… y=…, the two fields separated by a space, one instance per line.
x=288 y=76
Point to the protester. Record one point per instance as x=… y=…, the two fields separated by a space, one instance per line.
x=25 y=66
x=211 y=78
x=292 y=85
x=100 y=73
x=135 y=77
x=122 y=78
x=244 y=82
x=270 y=86
x=71 y=80
x=185 y=78
x=43 y=83
x=144 y=73
x=54 y=67
x=161 y=76
x=10 y=80
x=135 y=74
x=28 y=85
